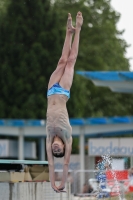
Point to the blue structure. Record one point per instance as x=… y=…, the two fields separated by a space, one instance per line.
x=90 y=127
x=117 y=81
x=95 y=127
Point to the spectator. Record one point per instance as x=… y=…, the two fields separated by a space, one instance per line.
x=130 y=175
x=87 y=188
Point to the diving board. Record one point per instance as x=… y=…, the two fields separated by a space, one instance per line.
x=117 y=81
x=25 y=162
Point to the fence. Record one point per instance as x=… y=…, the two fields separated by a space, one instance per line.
x=32 y=191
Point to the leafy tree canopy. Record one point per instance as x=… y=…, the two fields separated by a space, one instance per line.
x=31 y=39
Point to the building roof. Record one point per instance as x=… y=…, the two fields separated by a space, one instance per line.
x=117 y=81
x=73 y=121
x=92 y=127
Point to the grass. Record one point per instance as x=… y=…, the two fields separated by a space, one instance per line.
x=128 y=196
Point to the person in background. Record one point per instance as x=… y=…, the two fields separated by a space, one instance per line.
x=130 y=175
x=87 y=188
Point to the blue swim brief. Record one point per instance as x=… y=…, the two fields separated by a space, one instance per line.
x=57 y=89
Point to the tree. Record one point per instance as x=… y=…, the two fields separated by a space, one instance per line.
x=30 y=43
x=101 y=49
x=3 y=6
x=32 y=35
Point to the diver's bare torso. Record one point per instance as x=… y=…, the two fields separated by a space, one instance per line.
x=57 y=118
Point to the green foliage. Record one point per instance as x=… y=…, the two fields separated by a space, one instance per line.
x=101 y=49
x=3 y=7
x=30 y=46
x=75 y=145
x=31 y=39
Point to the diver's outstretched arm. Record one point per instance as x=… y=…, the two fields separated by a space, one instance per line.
x=51 y=165
x=68 y=148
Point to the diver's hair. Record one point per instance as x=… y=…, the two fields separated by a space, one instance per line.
x=59 y=155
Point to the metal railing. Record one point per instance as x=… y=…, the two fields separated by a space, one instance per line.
x=32 y=191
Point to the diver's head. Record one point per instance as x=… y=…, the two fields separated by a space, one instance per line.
x=58 y=147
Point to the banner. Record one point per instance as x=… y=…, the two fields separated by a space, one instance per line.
x=111 y=146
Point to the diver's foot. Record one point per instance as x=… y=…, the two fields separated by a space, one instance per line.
x=79 y=20
x=70 y=27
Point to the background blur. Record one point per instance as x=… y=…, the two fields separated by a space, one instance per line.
x=31 y=39
x=125 y=9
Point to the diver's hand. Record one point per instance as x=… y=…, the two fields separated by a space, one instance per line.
x=61 y=188
x=55 y=189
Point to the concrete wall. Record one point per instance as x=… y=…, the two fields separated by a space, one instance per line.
x=32 y=191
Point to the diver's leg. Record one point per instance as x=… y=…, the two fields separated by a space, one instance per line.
x=57 y=74
x=67 y=78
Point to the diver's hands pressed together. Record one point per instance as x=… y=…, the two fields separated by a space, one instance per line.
x=58 y=189
x=61 y=187
x=55 y=188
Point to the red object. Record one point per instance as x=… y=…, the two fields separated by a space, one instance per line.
x=119 y=175
x=130 y=188
x=115 y=175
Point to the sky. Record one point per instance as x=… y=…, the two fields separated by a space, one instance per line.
x=125 y=8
